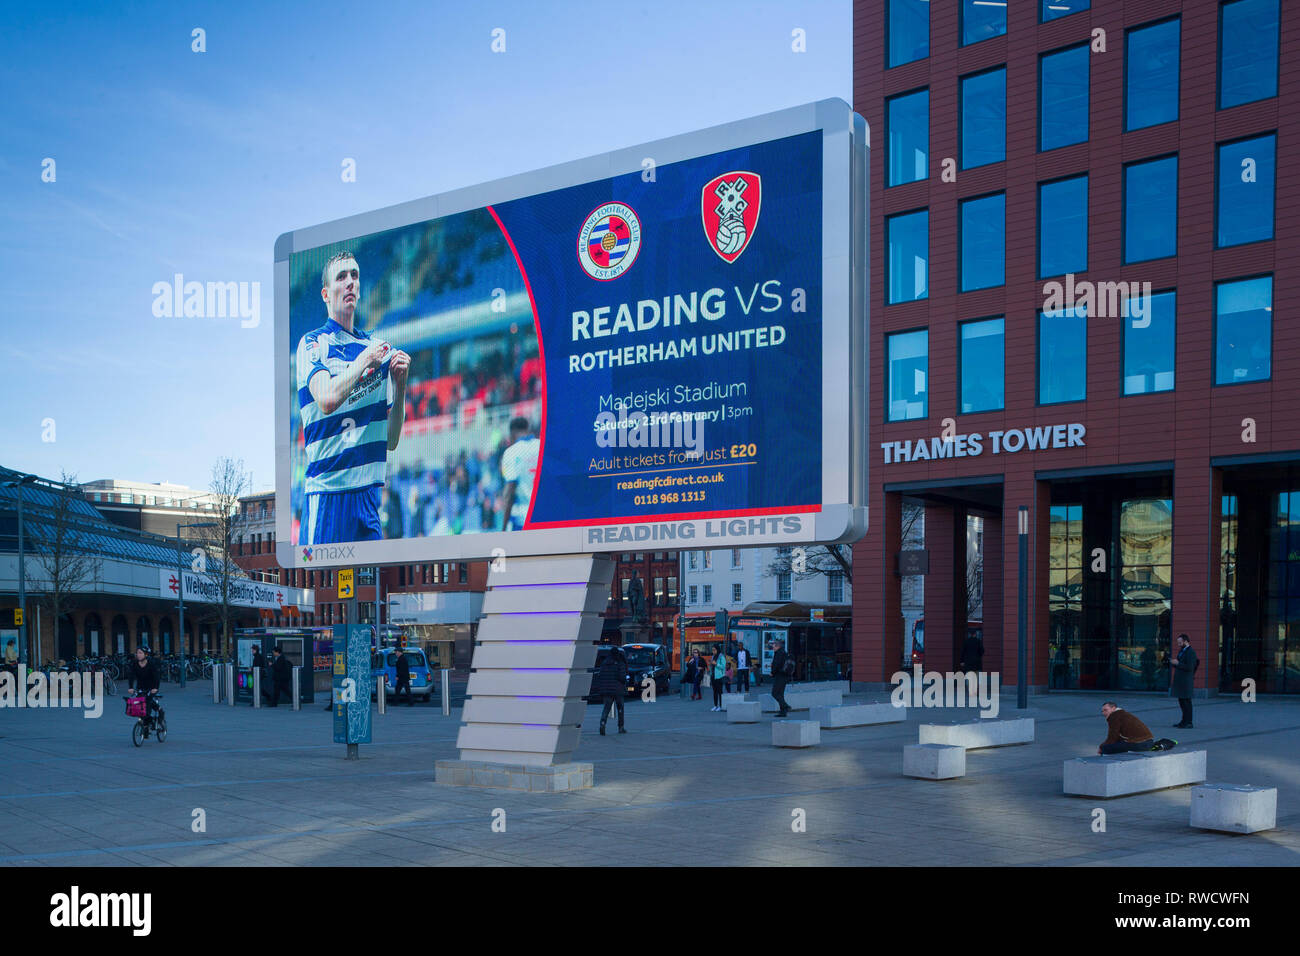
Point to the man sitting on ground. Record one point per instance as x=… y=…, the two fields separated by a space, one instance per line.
x=1128 y=734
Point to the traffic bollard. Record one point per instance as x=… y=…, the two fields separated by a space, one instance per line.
x=297 y=688
x=230 y=683
x=257 y=687
x=381 y=693
x=446 y=691
x=217 y=675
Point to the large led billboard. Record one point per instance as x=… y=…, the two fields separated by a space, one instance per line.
x=664 y=344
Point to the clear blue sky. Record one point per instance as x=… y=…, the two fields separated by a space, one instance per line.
x=173 y=161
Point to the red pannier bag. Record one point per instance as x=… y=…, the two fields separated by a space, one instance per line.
x=135 y=707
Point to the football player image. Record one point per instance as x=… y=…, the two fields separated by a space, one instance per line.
x=352 y=398
x=518 y=469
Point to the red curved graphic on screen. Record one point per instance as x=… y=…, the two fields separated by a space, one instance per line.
x=541 y=349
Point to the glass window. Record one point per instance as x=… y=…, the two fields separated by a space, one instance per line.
x=1063 y=226
x=982 y=365
x=783 y=586
x=835 y=587
x=909 y=365
x=1063 y=97
x=1149 y=323
x=1062 y=356
x=1053 y=9
x=708 y=594
x=1151 y=74
x=1151 y=209
x=1248 y=40
x=909 y=256
x=736 y=591
x=707 y=557
x=1246 y=175
x=1243 y=331
x=984 y=118
x=908 y=31
x=982 y=19
x=909 y=137
x=983 y=242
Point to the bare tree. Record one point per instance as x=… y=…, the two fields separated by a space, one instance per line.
x=63 y=566
x=807 y=561
x=215 y=564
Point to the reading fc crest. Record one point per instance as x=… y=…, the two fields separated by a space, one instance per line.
x=729 y=207
x=609 y=241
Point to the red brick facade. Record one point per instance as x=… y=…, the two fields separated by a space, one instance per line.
x=1186 y=428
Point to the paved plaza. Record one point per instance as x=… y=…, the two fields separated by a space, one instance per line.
x=681 y=788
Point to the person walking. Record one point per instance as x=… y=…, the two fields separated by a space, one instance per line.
x=697 y=676
x=403 y=678
x=1127 y=734
x=782 y=671
x=610 y=683
x=281 y=676
x=742 y=670
x=730 y=676
x=1180 y=683
x=972 y=653
x=719 y=676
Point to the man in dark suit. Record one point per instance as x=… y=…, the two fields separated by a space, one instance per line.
x=281 y=677
x=610 y=683
x=403 y=678
x=1180 y=686
x=972 y=653
x=779 y=676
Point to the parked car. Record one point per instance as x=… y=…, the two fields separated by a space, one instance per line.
x=643 y=659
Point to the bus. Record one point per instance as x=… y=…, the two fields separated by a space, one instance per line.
x=822 y=650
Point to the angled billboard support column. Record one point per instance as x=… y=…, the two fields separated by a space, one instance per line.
x=536 y=643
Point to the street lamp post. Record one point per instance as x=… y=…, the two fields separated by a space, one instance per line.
x=180 y=587
x=22 y=566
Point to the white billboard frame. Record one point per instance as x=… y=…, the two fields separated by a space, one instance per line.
x=844 y=359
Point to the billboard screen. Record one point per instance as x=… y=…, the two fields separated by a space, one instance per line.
x=663 y=344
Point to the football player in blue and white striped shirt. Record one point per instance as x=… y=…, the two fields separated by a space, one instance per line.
x=352 y=396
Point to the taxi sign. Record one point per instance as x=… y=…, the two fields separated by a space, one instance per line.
x=18 y=617
x=345 y=583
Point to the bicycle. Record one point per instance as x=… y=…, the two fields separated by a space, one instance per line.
x=138 y=707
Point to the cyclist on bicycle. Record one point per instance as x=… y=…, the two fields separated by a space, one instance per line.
x=143 y=676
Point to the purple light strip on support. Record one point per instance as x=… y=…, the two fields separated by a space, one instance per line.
x=548 y=584
x=536 y=612
x=551 y=640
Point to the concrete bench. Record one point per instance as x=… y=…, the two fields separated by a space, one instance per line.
x=1234 y=808
x=796 y=733
x=934 y=761
x=857 y=715
x=977 y=734
x=729 y=699
x=1124 y=774
x=803 y=700
x=743 y=712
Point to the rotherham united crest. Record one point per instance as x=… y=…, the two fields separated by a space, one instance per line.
x=729 y=207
